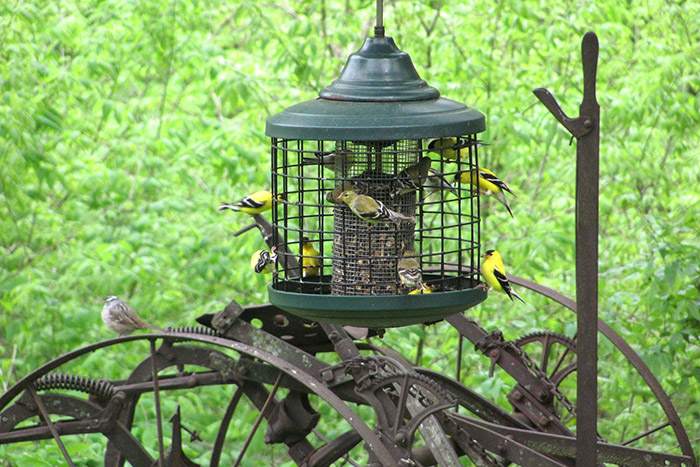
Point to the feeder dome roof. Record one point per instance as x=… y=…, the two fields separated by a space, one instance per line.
x=379 y=96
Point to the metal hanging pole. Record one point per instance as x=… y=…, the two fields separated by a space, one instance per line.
x=586 y=128
x=379 y=27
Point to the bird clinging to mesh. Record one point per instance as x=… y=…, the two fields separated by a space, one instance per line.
x=263 y=261
x=454 y=149
x=487 y=183
x=255 y=203
x=310 y=260
x=121 y=318
x=411 y=178
x=371 y=210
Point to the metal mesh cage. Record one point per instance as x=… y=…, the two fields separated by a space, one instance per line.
x=326 y=248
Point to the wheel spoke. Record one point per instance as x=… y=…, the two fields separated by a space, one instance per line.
x=645 y=434
x=156 y=395
x=47 y=419
x=221 y=435
x=546 y=347
x=261 y=415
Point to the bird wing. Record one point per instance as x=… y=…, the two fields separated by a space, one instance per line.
x=263 y=260
x=503 y=281
x=495 y=180
x=368 y=208
x=125 y=316
x=249 y=202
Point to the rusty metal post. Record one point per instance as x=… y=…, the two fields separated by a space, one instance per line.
x=586 y=128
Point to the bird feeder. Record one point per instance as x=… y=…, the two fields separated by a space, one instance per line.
x=364 y=133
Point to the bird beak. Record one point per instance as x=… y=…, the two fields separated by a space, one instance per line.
x=484 y=255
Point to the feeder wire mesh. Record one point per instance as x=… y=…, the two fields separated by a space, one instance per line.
x=352 y=256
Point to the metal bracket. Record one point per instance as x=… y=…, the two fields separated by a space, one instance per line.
x=578 y=126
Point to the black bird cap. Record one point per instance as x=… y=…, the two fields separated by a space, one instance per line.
x=305 y=240
x=489 y=252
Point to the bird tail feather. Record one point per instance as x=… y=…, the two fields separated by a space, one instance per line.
x=230 y=206
x=502 y=198
x=515 y=294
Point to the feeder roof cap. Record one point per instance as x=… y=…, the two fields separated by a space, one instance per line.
x=378 y=97
x=379 y=72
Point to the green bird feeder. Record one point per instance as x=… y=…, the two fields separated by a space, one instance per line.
x=369 y=132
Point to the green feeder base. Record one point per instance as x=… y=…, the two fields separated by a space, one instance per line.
x=376 y=311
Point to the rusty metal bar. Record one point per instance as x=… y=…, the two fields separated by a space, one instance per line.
x=261 y=415
x=586 y=128
x=553 y=444
x=49 y=423
x=223 y=427
x=646 y=433
x=587 y=180
x=156 y=396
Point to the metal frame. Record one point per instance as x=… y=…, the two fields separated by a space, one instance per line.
x=586 y=129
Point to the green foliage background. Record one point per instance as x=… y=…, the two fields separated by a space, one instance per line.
x=125 y=122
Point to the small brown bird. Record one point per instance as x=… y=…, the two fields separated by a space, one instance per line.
x=121 y=318
x=411 y=178
x=410 y=272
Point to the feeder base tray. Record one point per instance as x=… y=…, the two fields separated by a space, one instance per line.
x=377 y=311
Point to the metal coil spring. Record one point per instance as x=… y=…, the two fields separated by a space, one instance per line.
x=194 y=330
x=102 y=389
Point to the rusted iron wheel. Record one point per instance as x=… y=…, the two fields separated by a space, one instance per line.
x=48 y=404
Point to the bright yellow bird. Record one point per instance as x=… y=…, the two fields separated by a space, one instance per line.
x=487 y=183
x=258 y=202
x=263 y=261
x=421 y=290
x=371 y=210
x=495 y=274
x=310 y=260
x=453 y=149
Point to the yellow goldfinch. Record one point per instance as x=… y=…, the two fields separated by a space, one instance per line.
x=371 y=210
x=409 y=270
x=421 y=290
x=258 y=202
x=487 y=183
x=263 y=261
x=411 y=178
x=310 y=260
x=495 y=274
x=452 y=148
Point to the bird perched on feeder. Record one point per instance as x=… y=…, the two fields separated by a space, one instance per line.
x=310 y=261
x=328 y=159
x=258 y=202
x=357 y=186
x=411 y=178
x=453 y=148
x=121 y=318
x=437 y=182
x=421 y=290
x=410 y=272
x=371 y=210
x=495 y=274
x=487 y=183
x=263 y=261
